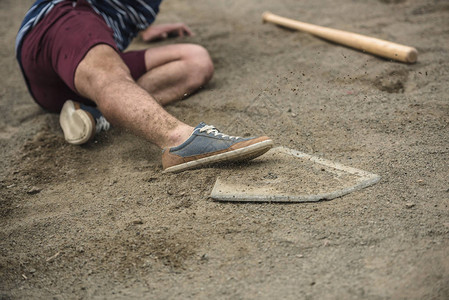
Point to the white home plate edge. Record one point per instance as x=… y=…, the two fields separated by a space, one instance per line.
x=225 y=192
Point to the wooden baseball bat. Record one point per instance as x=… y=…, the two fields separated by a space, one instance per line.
x=361 y=42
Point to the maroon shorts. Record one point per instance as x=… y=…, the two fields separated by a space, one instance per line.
x=52 y=51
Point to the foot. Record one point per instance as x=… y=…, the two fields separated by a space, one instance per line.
x=207 y=145
x=80 y=123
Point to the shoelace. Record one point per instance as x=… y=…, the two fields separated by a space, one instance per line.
x=211 y=129
x=102 y=124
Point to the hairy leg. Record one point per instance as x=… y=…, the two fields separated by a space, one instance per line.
x=103 y=77
x=175 y=71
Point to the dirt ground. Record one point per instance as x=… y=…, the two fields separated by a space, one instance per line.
x=102 y=221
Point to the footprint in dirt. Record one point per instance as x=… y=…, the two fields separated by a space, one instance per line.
x=392 y=81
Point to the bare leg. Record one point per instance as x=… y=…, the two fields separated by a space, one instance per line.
x=103 y=77
x=175 y=71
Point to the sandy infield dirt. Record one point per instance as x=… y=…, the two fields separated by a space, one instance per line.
x=101 y=221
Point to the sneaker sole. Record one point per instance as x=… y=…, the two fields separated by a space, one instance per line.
x=77 y=125
x=242 y=154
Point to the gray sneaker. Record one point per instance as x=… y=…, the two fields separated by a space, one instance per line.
x=207 y=145
x=80 y=123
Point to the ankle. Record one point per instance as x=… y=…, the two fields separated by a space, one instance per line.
x=177 y=136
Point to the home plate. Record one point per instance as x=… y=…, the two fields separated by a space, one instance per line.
x=287 y=175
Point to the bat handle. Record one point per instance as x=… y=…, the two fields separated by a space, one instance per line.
x=372 y=45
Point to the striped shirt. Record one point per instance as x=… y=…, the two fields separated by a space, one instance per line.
x=125 y=18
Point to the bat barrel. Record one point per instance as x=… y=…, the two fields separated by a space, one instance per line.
x=361 y=42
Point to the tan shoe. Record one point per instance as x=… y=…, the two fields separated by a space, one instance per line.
x=80 y=122
x=78 y=125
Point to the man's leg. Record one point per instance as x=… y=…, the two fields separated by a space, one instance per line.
x=104 y=78
x=175 y=71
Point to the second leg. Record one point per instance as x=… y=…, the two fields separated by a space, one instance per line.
x=175 y=71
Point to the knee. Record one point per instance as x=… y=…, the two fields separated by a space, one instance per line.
x=101 y=66
x=201 y=68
